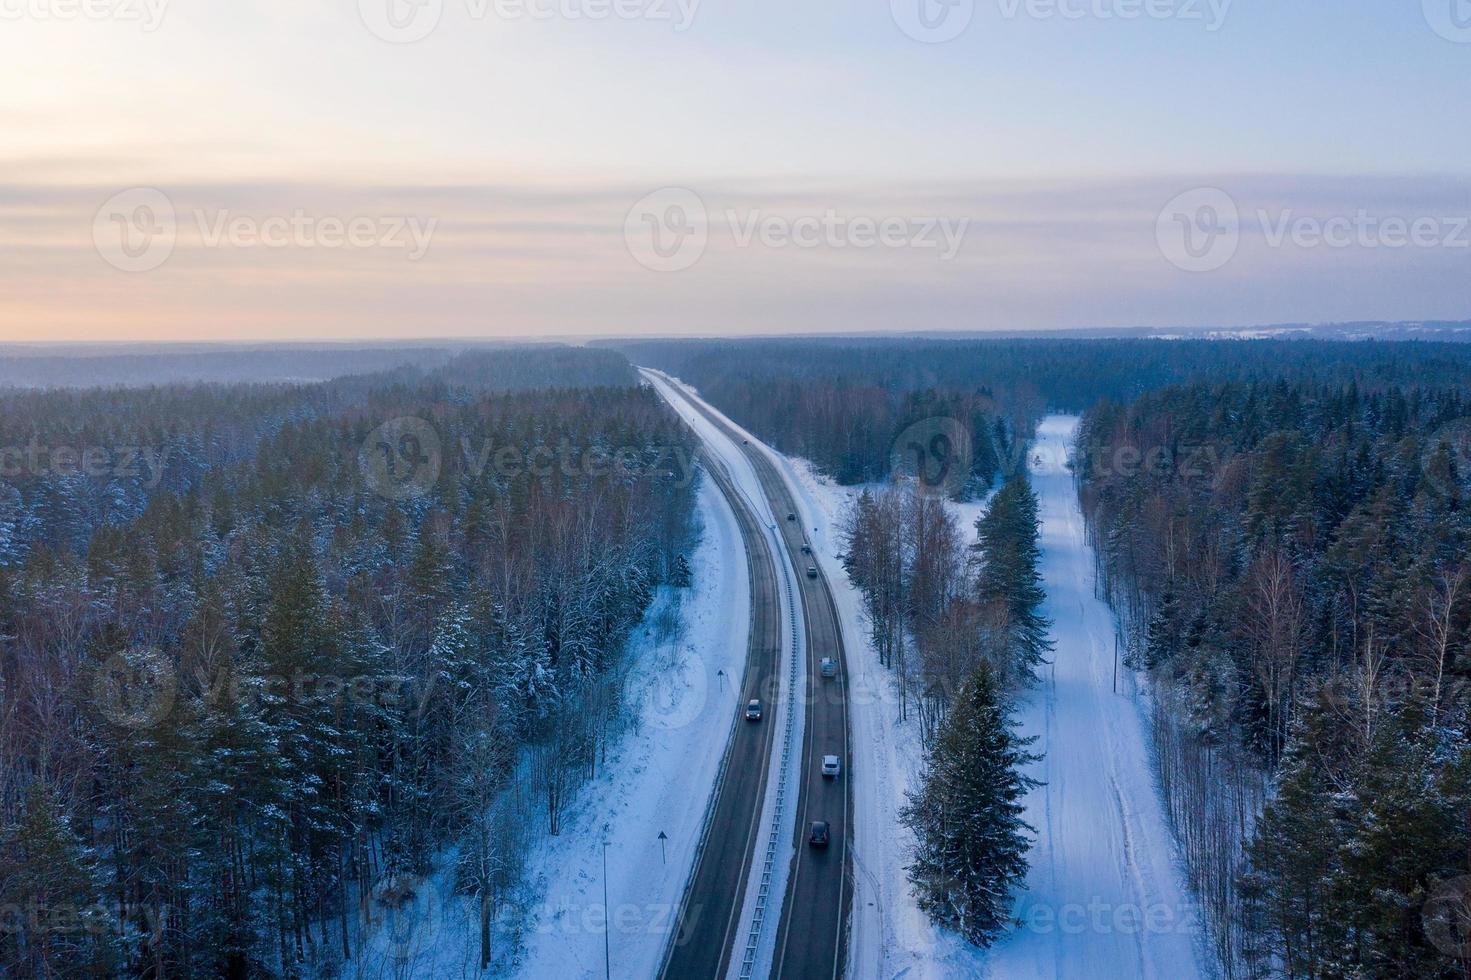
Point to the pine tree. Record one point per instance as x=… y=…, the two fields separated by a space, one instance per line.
x=967 y=818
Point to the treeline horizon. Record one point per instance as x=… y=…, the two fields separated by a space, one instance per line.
x=844 y=403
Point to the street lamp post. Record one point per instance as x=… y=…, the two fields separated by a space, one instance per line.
x=607 y=921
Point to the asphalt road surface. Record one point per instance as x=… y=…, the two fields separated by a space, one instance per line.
x=709 y=918
x=812 y=937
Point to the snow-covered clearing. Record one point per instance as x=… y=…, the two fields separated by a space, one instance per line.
x=1105 y=897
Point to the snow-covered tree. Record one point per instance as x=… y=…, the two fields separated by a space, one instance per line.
x=967 y=817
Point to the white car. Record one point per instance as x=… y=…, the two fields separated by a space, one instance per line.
x=831 y=766
x=829 y=667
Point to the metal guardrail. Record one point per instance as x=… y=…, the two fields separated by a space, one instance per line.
x=773 y=839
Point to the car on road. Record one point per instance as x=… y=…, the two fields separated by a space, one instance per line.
x=829 y=667
x=831 y=766
x=818 y=835
x=806 y=549
x=791 y=517
x=753 y=710
x=812 y=571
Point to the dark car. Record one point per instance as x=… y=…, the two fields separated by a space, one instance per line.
x=818 y=835
x=791 y=517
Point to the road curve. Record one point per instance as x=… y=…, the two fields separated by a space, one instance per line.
x=812 y=938
x=709 y=916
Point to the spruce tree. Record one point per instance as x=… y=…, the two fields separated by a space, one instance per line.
x=1008 y=583
x=967 y=818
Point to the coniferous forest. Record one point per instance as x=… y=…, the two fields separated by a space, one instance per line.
x=1291 y=563
x=272 y=652
x=279 y=658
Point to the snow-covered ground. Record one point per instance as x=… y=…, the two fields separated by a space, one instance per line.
x=1105 y=897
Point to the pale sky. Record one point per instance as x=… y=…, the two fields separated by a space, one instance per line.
x=269 y=169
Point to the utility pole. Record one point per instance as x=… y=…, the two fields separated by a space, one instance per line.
x=1115 y=664
x=607 y=921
